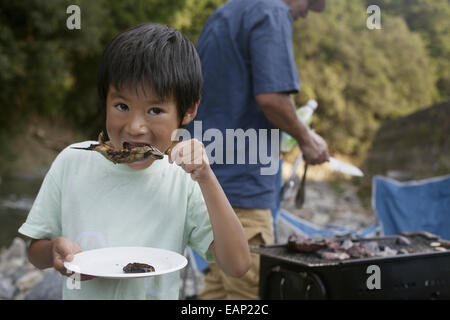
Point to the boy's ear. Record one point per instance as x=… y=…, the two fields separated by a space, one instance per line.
x=190 y=113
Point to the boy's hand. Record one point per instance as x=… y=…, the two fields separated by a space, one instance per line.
x=64 y=249
x=191 y=156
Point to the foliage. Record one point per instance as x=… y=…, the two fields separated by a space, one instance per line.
x=47 y=68
x=430 y=19
x=360 y=77
x=192 y=17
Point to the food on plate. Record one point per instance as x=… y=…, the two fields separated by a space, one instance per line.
x=136 y=267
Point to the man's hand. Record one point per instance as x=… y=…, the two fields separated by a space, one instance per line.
x=315 y=149
x=64 y=249
x=191 y=156
x=279 y=109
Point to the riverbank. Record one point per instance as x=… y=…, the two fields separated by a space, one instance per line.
x=37 y=145
x=20 y=280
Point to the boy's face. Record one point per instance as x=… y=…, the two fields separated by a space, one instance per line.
x=142 y=118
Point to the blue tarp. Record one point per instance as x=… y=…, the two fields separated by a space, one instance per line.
x=196 y=261
x=307 y=229
x=413 y=206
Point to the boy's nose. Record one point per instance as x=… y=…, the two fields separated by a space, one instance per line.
x=136 y=126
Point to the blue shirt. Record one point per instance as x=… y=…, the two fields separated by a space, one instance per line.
x=245 y=49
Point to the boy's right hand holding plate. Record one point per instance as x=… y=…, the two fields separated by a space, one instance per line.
x=63 y=250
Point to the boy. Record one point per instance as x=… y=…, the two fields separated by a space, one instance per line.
x=150 y=82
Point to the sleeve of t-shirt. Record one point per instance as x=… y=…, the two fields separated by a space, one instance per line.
x=199 y=230
x=44 y=218
x=271 y=53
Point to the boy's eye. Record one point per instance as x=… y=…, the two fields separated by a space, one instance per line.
x=155 y=111
x=121 y=107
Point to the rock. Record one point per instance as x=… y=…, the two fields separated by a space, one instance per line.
x=9 y=267
x=320 y=219
x=7 y=289
x=17 y=250
x=29 y=280
x=50 y=288
x=20 y=296
x=18 y=273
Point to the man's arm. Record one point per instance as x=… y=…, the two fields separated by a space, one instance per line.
x=279 y=109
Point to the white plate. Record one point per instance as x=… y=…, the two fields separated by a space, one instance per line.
x=109 y=262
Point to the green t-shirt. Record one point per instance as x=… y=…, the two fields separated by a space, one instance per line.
x=95 y=203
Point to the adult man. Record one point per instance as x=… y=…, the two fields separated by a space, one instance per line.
x=249 y=72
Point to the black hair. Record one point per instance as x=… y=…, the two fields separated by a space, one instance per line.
x=155 y=55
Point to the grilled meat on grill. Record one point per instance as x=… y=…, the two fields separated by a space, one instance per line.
x=358 y=251
x=297 y=243
x=402 y=240
x=328 y=249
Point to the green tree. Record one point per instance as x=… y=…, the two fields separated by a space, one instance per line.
x=430 y=19
x=359 y=76
x=48 y=69
x=35 y=59
x=192 y=17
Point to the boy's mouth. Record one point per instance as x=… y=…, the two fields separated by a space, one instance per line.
x=131 y=145
x=143 y=148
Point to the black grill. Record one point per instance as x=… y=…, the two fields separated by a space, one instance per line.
x=419 y=273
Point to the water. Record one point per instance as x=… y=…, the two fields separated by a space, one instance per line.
x=17 y=193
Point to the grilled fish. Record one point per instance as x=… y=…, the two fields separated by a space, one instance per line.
x=127 y=154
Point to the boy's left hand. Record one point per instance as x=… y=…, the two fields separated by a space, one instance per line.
x=191 y=156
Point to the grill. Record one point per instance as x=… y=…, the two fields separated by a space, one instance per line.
x=420 y=272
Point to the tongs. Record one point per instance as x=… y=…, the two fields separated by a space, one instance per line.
x=288 y=186
x=300 y=197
